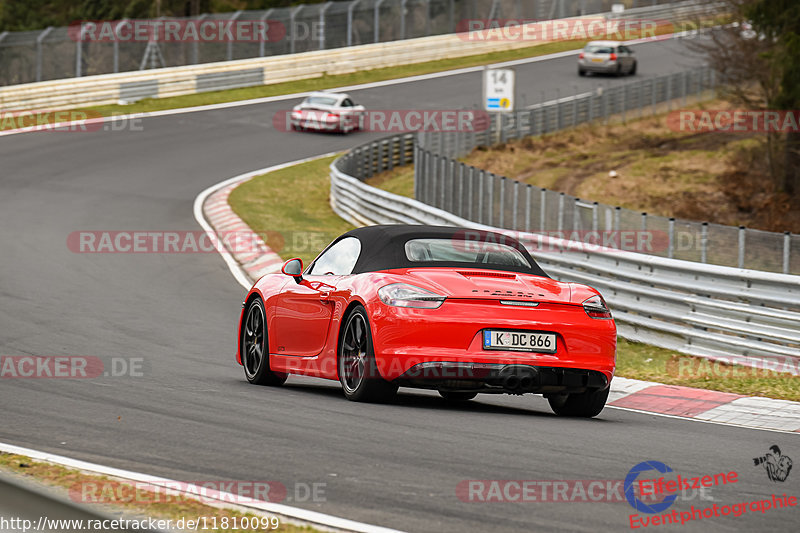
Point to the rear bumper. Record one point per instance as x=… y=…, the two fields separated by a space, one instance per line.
x=502 y=378
x=591 y=66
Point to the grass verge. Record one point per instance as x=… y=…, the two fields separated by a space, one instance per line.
x=126 y=500
x=304 y=212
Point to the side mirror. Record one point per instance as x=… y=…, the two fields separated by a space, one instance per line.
x=294 y=268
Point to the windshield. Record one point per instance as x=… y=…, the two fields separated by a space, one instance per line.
x=464 y=251
x=321 y=100
x=594 y=49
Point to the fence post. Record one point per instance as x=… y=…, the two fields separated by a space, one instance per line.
x=403 y=19
x=671 y=238
x=502 y=202
x=528 y=190
x=78 y=52
x=40 y=40
x=542 y=208
x=787 y=249
x=262 y=42
x=293 y=28
x=376 y=21
x=417 y=157
x=461 y=190
x=470 y=182
x=490 y=198
x=196 y=43
x=229 y=51
x=481 y=184
x=323 y=27
x=350 y=9
x=704 y=242
x=741 y=246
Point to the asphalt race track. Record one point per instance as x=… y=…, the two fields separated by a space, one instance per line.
x=192 y=416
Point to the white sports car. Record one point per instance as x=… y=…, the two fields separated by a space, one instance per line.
x=323 y=111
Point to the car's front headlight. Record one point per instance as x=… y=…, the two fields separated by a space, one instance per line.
x=405 y=295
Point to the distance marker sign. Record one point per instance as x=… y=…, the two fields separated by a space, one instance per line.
x=498 y=89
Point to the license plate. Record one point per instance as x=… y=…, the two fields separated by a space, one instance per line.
x=597 y=59
x=519 y=341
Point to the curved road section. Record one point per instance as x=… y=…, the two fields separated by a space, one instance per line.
x=163 y=393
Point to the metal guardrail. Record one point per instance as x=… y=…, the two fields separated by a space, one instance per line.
x=56 y=53
x=712 y=311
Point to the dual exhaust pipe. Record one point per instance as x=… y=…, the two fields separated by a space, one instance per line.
x=519 y=380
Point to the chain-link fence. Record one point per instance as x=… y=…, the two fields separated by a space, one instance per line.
x=478 y=195
x=65 y=52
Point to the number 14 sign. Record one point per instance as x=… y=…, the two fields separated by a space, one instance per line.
x=498 y=89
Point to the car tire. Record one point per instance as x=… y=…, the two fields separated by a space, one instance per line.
x=358 y=372
x=457 y=396
x=583 y=405
x=581 y=72
x=254 y=347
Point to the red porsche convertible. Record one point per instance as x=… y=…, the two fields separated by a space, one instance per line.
x=457 y=310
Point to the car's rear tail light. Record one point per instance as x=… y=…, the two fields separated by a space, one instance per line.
x=331 y=117
x=613 y=56
x=580 y=56
x=596 y=307
x=405 y=295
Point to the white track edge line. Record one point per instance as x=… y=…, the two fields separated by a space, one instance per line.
x=310 y=517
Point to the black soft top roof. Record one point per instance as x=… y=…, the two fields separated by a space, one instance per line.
x=383 y=247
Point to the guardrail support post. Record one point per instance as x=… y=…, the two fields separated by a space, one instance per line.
x=644 y=221
x=470 y=199
x=617 y=217
x=787 y=249
x=595 y=215
x=490 y=198
x=561 y=198
x=741 y=246
x=502 y=203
